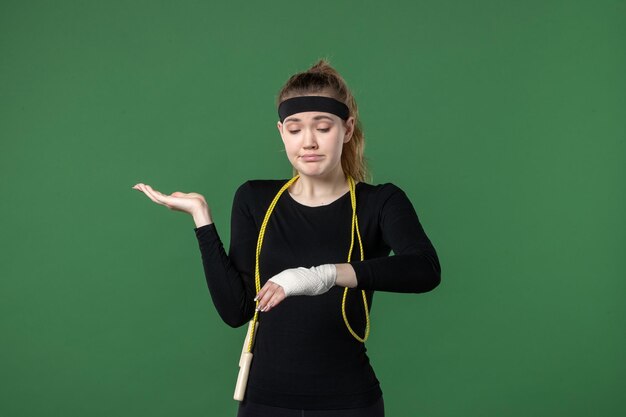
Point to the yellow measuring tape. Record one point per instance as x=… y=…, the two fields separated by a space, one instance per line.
x=257 y=276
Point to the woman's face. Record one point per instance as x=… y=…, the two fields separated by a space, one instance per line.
x=314 y=141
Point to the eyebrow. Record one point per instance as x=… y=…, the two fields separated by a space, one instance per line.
x=294 y=119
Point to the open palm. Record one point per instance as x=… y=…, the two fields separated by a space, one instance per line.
x=178 y=201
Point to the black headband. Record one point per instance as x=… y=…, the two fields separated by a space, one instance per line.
x=312 y=103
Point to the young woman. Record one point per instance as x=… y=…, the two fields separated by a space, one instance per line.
x=306 y=256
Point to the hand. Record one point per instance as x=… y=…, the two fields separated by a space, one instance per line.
x=186 y=202
x=270 y=296
x=296 y=281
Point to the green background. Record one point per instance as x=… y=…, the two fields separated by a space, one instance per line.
x=504 y=121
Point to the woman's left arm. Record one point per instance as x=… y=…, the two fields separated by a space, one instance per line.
x=414 y=268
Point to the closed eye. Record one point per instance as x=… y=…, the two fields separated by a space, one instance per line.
x=321 y=130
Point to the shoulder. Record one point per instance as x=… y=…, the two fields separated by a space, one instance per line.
x=379 y=192
x=383 y=201
x=256 y=191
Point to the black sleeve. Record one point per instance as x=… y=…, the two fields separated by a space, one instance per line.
x=414 y=268
x=230 y=278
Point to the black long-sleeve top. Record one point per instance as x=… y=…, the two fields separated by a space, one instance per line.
x=304 y=355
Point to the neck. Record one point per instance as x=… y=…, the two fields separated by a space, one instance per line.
x=320 y=188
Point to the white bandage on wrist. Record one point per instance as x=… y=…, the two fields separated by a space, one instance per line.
x=306 y=281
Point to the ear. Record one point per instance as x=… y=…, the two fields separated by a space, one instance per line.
x=349 y=126
x=279 y=125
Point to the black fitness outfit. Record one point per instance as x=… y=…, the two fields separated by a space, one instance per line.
x=304 y=356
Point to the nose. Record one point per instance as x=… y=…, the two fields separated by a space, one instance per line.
x=310 y=141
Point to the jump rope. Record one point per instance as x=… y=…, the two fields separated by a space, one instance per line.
x=246 y=355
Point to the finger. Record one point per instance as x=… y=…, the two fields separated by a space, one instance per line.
x=142 y=187
x=278 y=295
x=155 y=193
x=263 y=290
x=263 y=298
x=156 y=196
x=266 y=294
x=148 y=194
x=277 y=298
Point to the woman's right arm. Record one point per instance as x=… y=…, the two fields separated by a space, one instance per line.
x=230 y=278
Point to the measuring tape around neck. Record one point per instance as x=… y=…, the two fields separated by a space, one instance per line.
x=355 y=226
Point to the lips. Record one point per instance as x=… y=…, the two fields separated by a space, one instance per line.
x=311 y=157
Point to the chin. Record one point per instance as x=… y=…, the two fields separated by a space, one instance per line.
x=311 y=172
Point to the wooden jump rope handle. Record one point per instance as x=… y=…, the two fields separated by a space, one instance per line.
x=244 y=364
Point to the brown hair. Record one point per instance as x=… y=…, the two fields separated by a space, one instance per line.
x=321 y=77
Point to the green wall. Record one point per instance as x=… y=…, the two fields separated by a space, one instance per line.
x=504 y=121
